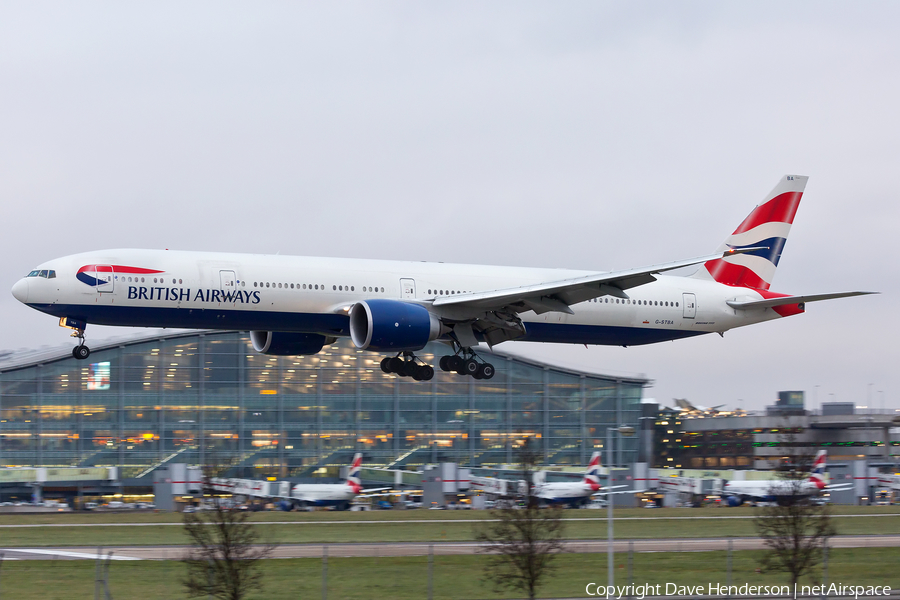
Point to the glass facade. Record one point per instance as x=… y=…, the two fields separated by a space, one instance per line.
x=209 y=398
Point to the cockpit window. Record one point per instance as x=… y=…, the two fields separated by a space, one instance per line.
x=51 y=275
x=33 y=274
x=45 y=273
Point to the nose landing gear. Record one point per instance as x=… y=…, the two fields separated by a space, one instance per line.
x=80 y=352
x=466 y=362
x=407 y=367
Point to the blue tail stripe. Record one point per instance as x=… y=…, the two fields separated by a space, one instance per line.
x=771 y=249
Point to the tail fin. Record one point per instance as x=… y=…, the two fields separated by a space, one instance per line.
x=817 y=475
x=592 y=473
x=353 y=475
x=767 y=226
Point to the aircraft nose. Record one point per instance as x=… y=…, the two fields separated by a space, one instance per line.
x=20 y=290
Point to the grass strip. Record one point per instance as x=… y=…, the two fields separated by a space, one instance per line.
x=455 y=577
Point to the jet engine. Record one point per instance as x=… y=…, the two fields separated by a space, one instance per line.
x=391 y=325
x=280 y=343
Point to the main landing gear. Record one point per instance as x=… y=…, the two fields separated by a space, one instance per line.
x=407 y=367
x=80 y=352
x=465 y=362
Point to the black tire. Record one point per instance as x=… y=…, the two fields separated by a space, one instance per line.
x=386 y=365
x=81 y=352
x=444 y=363
x=396 y=365
x=454 y=362
x=410 y=368
x=426 y=373
x=470 y=367
x=487 y=371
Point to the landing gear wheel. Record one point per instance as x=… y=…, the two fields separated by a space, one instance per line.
x=426 y=373
x=409 y=369
x=485 y=371
x=445 y=363
x=386 y=364
x=470 y=367
x=455 y=363
x=396 y=365
x=81 y=352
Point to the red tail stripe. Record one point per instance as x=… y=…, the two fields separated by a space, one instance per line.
x=781 y=209
x=737 y=275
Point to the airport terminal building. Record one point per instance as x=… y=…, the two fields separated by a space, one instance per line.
x=208 y=398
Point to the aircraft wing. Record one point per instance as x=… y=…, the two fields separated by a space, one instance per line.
x=608 y=493
x=559 y=295
x=370 y=491
x=837 y=487
x=772 y=302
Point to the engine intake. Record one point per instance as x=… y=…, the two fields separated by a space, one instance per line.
x=279 y=343
x=392 y=325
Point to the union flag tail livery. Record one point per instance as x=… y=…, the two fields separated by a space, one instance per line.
x=766 y=229
x=353 y=476
x=817 y=475
x=592 y=473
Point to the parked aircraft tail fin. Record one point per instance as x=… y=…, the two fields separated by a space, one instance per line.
x=353 y=476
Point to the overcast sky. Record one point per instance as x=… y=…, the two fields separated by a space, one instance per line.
x=590 y=135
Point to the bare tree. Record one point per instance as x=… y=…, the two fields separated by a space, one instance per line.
x=794 y=529
x=226 y=550
x=521 y=542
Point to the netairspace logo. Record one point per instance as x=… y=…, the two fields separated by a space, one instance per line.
x=641 y=591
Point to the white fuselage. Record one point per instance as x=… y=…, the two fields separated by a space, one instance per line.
x=768 y=490
x=323 y=494
x=312 y=295
x=563 y=492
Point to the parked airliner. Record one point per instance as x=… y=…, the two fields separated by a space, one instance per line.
x=572 y=493
x=338 y=495
x=736 y=493
x=296 y=305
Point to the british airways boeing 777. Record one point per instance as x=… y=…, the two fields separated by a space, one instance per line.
x=296 y=305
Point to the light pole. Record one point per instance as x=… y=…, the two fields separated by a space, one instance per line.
x=625 y=431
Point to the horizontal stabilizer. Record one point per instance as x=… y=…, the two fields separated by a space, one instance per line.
x=783 y=300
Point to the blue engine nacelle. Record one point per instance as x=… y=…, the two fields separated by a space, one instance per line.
x=278 y=343
x=392 y=325
x=734 y=500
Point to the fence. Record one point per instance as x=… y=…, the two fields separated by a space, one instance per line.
x=440 y=571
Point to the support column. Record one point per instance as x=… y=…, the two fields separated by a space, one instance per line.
x=509 y=410
x=282 y=434
x=119 y=382
x=545 y=445
x=201 y=402
x=242 y=409
x=618 y=438
x=38 y=416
